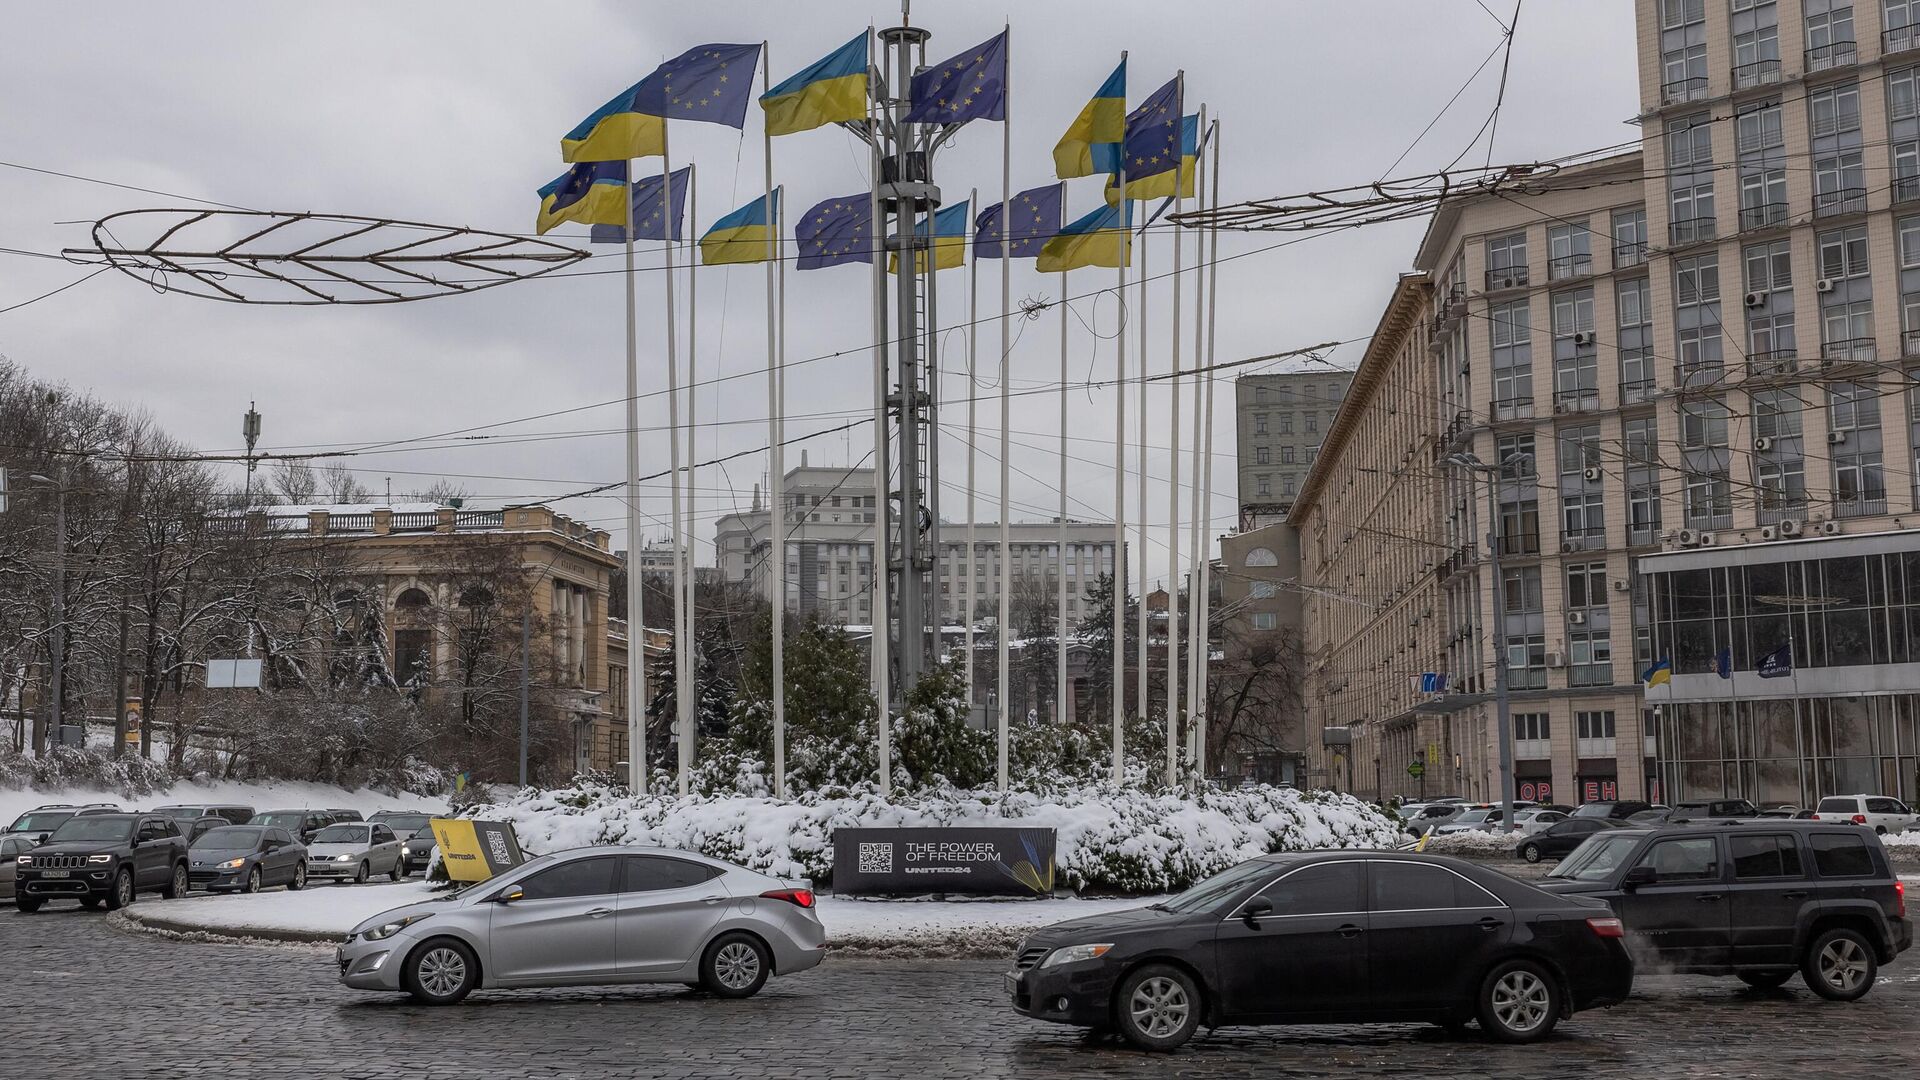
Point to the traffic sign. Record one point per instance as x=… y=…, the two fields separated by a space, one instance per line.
x=1416 y=769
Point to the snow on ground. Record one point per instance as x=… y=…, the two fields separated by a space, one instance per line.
x=278 y=795
x=921 y=926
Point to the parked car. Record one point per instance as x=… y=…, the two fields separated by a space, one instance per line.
x=1880 y=813
x=1478 y=819
x=1780 y=810
x=234 y=815
x=1759 y=901
x=1715 y=810
x=1434 y=815
x=1620 y=810
x=1530 y=822
x=11 y=848
x=103 y=859
x=198 y=827
x=1330 y=937
x=417 y=842
x=1562 y=837
x=1649 y=818
x=301 y=823
x=593 y=916
x=246 y=858
x=355 y=850
x=345 y=815
x=40 y=821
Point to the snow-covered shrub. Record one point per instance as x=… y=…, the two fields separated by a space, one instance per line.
x=1475 y=843
x=72 y=767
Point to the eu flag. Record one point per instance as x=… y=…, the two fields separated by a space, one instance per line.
x=1153 y=134
x=970 y=86
x=1036 y=219
x=650 y=216
x=836 y=231
x=712 y=83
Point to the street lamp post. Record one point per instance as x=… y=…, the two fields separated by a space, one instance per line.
x=1502 y=710
x=58 y=648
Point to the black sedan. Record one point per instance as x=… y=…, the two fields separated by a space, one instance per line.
x=1330 y=937
x=1560 y=838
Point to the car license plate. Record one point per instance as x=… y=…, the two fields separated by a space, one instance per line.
x=1012 y=984
x=58 y=873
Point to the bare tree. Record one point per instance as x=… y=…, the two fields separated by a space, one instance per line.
x=340 y=485
x=294 y=480
x=442 y=492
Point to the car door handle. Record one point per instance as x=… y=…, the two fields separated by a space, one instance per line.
x=1490 y=924
x=713 y=899
x=1708 y=898
x=1793 y=896
x=1350 y=930
x=599 y=913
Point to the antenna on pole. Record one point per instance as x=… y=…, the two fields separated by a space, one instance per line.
x=250 y=430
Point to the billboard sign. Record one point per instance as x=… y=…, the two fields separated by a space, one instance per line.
x=983 y=862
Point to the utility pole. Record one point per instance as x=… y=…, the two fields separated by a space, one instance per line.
x=250 y=431
x=526 y=675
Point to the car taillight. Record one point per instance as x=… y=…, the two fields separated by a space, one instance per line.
x=797 y=897
x=1859 y=819
x=1899 y=899
x=1607 y=927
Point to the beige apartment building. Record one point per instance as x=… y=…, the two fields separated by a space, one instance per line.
x=1279 y=420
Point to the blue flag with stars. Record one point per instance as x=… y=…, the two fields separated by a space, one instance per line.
x=838 y=230
x=650 y=211
x=1037 y=214
x=970 y=86
x=1153 y=134
x=711 y=83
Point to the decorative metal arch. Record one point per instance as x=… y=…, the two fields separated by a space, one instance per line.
x=314 y=258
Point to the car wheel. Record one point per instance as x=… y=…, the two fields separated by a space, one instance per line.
x=26 y=904
x=1881 y=829
x=1158 y=1007
x=122 y=893
x=299 y=878
x=399 y=870
x=177 y=884
x=735 y=966
x=1840 y=966
x=441 y=972
x=361 y=875
x=1519 y=1002
x=1530 y=852
x=1765 y=980
x=253 y=880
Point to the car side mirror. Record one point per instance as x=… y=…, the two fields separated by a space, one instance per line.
x=1638 y=876
x=509 y=895
x=1254 y=909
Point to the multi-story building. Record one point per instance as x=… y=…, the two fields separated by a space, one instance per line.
x=1278 y=425
x=1259 y=615
x=830 y=554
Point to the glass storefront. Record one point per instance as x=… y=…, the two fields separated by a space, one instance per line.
x=1762 y=750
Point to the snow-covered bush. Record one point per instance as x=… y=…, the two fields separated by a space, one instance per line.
x=71 y=767
x=1109 y=839
x=1475 y=843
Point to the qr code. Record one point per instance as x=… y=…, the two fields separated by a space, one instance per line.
x=876 y=858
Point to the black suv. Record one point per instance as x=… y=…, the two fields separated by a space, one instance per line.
x=1715 y=809
x=104 y=858
x=1755 y=899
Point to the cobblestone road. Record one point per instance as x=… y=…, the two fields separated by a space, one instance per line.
x=84 y=1000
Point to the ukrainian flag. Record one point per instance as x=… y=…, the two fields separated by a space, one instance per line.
x=1102 y=238
x=1161 y=185
x=744 y=236
x=616 y=131
x=1660 y=672
x=949 y=241
x=1092 y=143
x=591 y=193
x=831 y=90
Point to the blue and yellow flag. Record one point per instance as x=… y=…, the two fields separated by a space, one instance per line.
x=710 y=83
x=744 y=236
x=1102 y=238
x=1161 y=185
x=650 y=218
x=1092 y=142
x=591 y=193
x=970 y=86
x=1661 y=672
x=838 y=230
x=949 y=241
x=1036 y=215
x=831 y=90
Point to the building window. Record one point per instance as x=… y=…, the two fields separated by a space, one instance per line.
x=1839 y=174
x=1769 y=306
x=1260 y=455
x=1903 y=125
x=1589 y=658
x=1263 y=484
x=1259 y=423
x=1690 y=180
x=1859 y=479
x=1310 y=423
x=1708 y=495
x=1259 y=395
x=1286 y=484
x=1629 y=237
x=1760 y=148
x=1830 y=40
x=1507 y=262
x=1266 y=620
x=1683 y=50
x=1696 y=318
x=1286 y=396
x=1512 y=337
x=1633 y=308
x=1642 y=454
x=1846 y=296
x=1901 y=19
x=1582 y=509
x=1286 y=423
x=1756 y=43
x=1576 y=363
x=1587 y=585
x=1286 y=455
x=1569 y=251
x=1532 y=727
x=1594 y=732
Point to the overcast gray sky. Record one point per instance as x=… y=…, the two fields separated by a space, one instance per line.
x=452 y=112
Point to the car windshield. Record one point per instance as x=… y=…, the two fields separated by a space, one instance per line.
x=1838 y=806
x=93 y=828
x=1595 y=859
x=1471 y=817
x=229 y=838
x=341 y=834
x=182 y=813
x=286 y=819
x=410 y=822
x=1218 y=888
x=41 y=821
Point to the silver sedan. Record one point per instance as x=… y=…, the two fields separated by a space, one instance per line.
x=593 y=916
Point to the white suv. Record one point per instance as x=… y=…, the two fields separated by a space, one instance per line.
x=1880 y=813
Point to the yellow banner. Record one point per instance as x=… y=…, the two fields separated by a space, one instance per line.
x=476 y=850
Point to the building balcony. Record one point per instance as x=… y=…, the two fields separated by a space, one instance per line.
x=1532 y=749
x=1775 y=509
x=1520 y=544
x=1500 y=278
x=1839 y=202
x=1852 y=506
x=1773 y=362
x=1900 y=39
x=1849 y=351
x=1513 y=408
x=1629 y=254
x=1910 y=343
x=1591 y=538
x=1682 y=90
x=1645 y=534
x=1763 y=216
x=1637 y=390
x=1693 y=230
x=1905 y=189
x=1698 y=376
x=1569 y=266
x=1758 y=73
x=1594 y=748
x=1584 y=399
x=1835 y=55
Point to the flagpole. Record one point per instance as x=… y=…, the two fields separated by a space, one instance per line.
x=1119 y=483
x=1060 y=619
x=881 y=628
x=673 y=472
x=1206 y=483
x=973 y=409
x=690 y=704
x=1140 y=479
x=1173 y=485
x=936 y=618
x=636 y=602
x=1196 y=626
x=775 y=481
x=1006 y=416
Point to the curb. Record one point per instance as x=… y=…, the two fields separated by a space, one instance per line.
x=235 y=935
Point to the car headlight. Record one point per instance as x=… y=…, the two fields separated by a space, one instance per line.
x=26 y=860
x=99 y=859
x=233 y=864
x=343 y=858
x=388 y=929
x=1073 y=954
x=405 y=851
